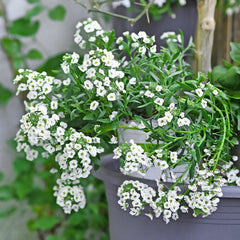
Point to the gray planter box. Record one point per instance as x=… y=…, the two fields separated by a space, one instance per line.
x=224 y=224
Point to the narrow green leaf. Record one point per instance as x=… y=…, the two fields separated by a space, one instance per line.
x=46 y=223
x=58 y=13
x=111 y=39
x=156 y=78
x=104 y=120
x=5 y=95
x=34 y=11
x=24 y=27
x=11 y=46
x=34 y=54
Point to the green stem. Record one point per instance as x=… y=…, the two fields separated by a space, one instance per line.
x=204 y=137
x=190 y=132
x=220 y=149
x=180 y=178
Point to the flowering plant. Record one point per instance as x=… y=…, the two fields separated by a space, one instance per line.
x=77 y=119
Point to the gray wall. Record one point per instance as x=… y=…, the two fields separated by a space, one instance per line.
x=53 y=37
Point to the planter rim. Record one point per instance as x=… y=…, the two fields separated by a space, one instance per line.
x=115 y=177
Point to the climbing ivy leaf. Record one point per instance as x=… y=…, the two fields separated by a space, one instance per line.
x=24 y=27
x=46 y=223
x=34 y=11
x=11 y=46
x=34 y=54
x=58 y=13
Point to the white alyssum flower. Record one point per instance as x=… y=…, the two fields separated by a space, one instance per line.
x=159 y=101
x=159 y=2
x=94 y=105
x=111 y=97
x=132 y=81
x=113 y=115
x=204 y=103
x=199 y=92
x=117 y=3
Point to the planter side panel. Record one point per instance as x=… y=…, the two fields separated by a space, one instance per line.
x=221 y=225
x=224 y=224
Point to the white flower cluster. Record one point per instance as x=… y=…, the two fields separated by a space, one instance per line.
x=141 y=42
x=43 y=130
x=231 y=173
x=36 y=130
x=201 y=197
x=136 y=160
x=37 y=84
x=204 y=197
x=92 y=29
x=75 y=163
x=136 y=196
x=99 y=69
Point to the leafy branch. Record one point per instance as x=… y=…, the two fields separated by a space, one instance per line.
x=96 y=7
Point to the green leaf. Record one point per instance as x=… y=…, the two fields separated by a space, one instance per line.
x=23 y=185
x=34 y=1
x=233 y=94
x=1 y=176
x=24 y=27
x=34 y=11
x=46 y=223
x=1 y=13
x=90 y=116
x=75 y=219
x=44 y=174
x=34 y=54
x=11 y=46
x=21 y=165
x=18 y=62
x=104 y=120
x=52 y=237
x=41 y=197
x=6 y=193
x=235 y=52
x=227 y=77
x=111 y=39
x=7 y=212
x=53 y=63
x=58 y=13
x=5 y=95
